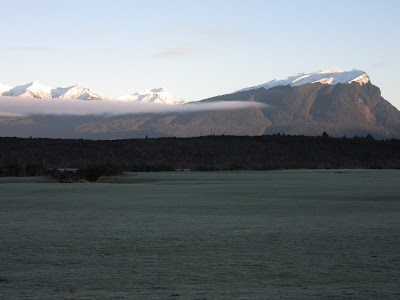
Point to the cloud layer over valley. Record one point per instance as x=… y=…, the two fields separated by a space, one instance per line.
x=17 y=106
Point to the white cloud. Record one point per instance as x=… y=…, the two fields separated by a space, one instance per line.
x=28 y=106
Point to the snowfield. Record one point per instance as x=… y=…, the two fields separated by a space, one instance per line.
x=331 y=76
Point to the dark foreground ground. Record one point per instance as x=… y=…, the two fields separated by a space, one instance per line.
x=205 y=153
x=203 y=235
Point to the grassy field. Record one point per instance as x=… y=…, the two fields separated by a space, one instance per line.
x=203 y=235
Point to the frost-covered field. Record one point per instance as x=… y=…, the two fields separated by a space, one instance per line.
x=286 y=234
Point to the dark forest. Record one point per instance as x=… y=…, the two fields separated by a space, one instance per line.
x=208 y=153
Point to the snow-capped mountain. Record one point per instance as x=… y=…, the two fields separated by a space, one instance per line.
x=80 y=92
x=160 y=95
x=77 y=91
x=331 y=76
x=30 y=90
x=36 y=90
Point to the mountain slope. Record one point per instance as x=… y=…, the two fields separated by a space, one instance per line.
x=341 y=109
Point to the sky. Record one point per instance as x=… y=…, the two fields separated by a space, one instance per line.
x=195 y=49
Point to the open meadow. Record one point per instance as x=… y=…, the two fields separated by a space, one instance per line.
x=203 y=235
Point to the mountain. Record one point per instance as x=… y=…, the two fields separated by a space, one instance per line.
x=331 y=76
x=310 y=109
x=80 y=92
x=349 y=105
x=36 y=90
x=160 y=95
x=341 y=109
x=77 y=92
x=30 y=90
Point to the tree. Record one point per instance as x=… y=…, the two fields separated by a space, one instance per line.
x=370 y=137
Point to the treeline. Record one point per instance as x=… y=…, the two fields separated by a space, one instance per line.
x=91 y=173
x=208 y=153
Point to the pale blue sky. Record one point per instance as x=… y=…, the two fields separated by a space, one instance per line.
x=196 y=49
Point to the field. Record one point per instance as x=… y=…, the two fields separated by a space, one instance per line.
x=203 y=235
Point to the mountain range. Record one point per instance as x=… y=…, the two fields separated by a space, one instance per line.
x=162 y=96
x=333 y=101
x=80 y=92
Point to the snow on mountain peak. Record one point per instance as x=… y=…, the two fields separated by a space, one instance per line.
x=334 y=70
x=77 y=91
x=80 y=92
x=30 y=90
x=331 y=76
x=36 y=90
x=158 y=95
